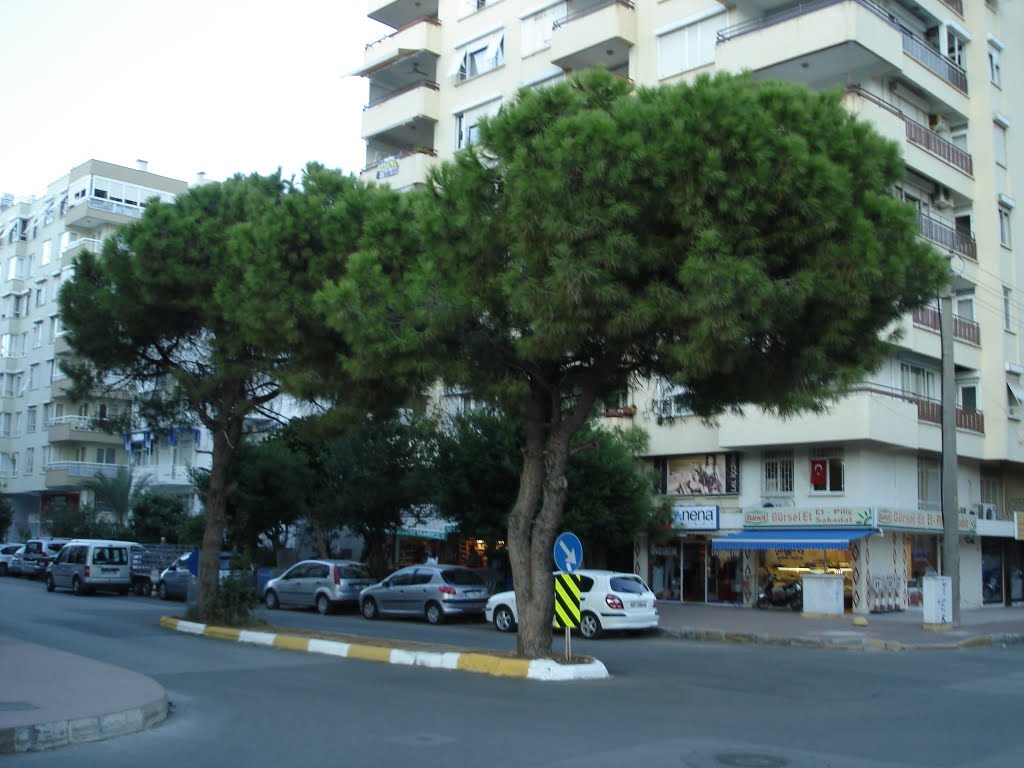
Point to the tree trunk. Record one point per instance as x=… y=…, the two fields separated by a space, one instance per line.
x=225 y=440
x=375 y=555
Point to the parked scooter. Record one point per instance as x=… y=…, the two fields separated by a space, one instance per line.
x=773 y=594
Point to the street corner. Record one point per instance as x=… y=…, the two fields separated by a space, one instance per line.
x=478 y=662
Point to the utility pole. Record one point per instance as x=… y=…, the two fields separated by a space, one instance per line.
x=950 y=504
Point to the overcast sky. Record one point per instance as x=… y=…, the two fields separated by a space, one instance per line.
x=221 y=86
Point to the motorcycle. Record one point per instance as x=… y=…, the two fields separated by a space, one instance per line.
x=773 y=594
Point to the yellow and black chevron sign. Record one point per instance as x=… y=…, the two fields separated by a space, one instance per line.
x=567 y=601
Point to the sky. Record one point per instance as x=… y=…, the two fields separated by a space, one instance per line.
x=214 y=86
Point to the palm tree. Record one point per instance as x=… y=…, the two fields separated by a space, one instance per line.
x=116 y=494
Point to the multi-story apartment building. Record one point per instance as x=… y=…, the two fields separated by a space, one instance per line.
x=856 y=492
x=48 y=444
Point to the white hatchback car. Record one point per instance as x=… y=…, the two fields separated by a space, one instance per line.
x=609 y=601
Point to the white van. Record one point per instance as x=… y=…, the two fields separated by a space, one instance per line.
x=91 y=565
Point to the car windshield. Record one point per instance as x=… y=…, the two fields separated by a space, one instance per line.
x=462 y=577
x=627 y=584
x=355 y=571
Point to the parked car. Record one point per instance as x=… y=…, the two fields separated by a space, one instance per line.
x=16 y=561
x=435 y=592
x=39 y=553
x=175 y=578
x=6 y=553
x=325 y=584
x=91 y=565
x=609 y=601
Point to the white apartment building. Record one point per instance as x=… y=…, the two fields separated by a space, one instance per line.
x=856 y=492
x=48 y=444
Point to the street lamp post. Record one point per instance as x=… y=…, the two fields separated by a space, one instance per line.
x=950 y=505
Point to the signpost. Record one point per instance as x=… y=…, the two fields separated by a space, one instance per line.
x=568 y=558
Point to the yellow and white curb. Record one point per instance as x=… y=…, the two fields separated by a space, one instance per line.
x=467 y=661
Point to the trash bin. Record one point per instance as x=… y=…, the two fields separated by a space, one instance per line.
x=263 y=575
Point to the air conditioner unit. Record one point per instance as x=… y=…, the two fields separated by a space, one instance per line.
x=943 y=198
x=984 y=511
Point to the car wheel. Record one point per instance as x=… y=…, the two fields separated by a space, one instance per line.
x=161 y=591
x=434 y=613
x=590 y=626
x=503 y=619
x=324 y=605
x=76 y=586
x=270 y=600
x=369 y=608
x=50 y=586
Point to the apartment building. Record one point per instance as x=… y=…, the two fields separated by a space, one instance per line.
x=855 y=493
x=49 y=445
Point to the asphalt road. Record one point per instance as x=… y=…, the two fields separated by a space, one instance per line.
x=669 y=702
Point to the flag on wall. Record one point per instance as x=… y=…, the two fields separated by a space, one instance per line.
x=819 y=469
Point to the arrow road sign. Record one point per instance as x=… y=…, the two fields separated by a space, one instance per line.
x=568 y=552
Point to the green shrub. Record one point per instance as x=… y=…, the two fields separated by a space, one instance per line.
x=231 y=606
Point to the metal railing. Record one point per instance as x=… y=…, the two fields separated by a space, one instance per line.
x=963 y=328
x=421 y=20
x=84 y=423
x=85 y=468
x=928 y=410
x=598 y=6
x=94 y=245
x=432 y=85
x=946 y=236
x=930 y=58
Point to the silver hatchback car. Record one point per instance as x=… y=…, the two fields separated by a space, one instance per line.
x=326 y=584
x=435 y=592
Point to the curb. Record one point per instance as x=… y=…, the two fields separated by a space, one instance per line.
x=63 y=733
x=466 y=661
x=846 y=644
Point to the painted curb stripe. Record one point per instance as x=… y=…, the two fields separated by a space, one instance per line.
x=369 y=652
x=328 y=647
x=494 y=665
x=291 y=642
x=256 y=638
x=222 y=633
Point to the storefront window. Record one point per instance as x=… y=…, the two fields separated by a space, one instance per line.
x=664 y=570
x=992 y=570
x=788 y=565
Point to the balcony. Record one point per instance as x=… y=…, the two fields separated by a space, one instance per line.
x=422 y=35
x=947 y=237
x=95 y=212
x=70 y=475
x=601 y=32
x=831 y=42
x=68 y=253
x=81 y=429
x=967 y=420
x=399 y=13
x=405 y=117
x=402 y=170
x=963 y=329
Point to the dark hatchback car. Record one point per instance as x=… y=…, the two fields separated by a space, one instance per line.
x=435 y=592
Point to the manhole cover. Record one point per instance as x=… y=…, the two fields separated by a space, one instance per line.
x=750 y=760
x=15 y=706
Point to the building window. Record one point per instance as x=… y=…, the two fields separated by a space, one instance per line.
x=480 y=57
x=30 y=418
x=1007 y=306
x=30 y=460
x=917 y=381
x=671 y=399
x=33 y=376
x=5 y=424
x=37 y=334
x=46 y=254
x=995 y=73
x=689 y=47
x=967 y=396
x=467 y=122
x=44 y=458
x=537 y=29
x=956 y=48
x=999 y=143
x=827 y=470
x=1005 y=238
x=104 y=455
x=777 y=477
x=40 y=294
x=929 y=484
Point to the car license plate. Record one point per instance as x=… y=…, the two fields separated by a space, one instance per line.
x=638 y=604
x=472 y=592
x=108 y=570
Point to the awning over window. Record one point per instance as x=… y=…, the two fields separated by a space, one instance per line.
x=799 y=538
x=1017 y=392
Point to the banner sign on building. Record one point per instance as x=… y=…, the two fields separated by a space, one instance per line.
x=695 y=518
x=801 y=517
x=711 y=474
x=922 y=521
x=387 y=167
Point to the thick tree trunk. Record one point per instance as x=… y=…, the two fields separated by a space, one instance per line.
x=225 y=440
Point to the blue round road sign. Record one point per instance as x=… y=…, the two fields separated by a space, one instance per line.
x=568 y=552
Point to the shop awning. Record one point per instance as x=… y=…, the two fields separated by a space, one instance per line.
x=796 y=538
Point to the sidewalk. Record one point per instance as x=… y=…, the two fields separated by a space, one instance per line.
x=897 y=631
x=49 y=698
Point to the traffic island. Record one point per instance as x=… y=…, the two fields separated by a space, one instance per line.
x=492 y=663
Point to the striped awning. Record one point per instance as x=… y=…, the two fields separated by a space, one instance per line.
x=793 y=538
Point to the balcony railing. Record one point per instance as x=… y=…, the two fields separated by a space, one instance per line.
x=602 y=4
x=85 y=468
x=84 y=423
x=421 y=20
x=91 y=243
x=407 y=152
x=924 y=137
x=928 y=409
x=963 y=328
x=917 y=49
x=946 y=236
x=399 y=91
x=956 y=5
x=930 y=57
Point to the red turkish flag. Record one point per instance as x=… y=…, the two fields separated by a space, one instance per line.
x=819 y=469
